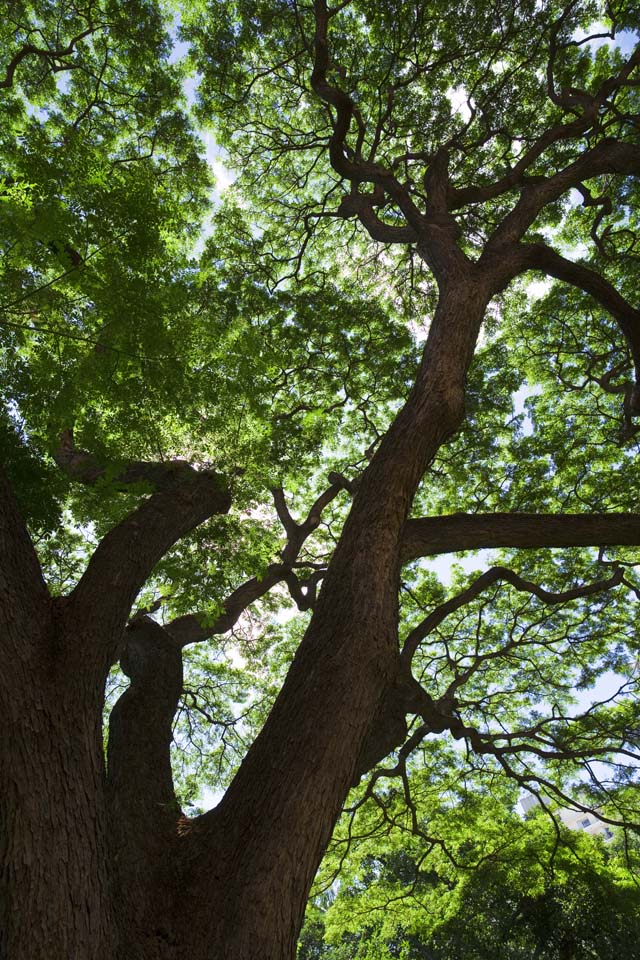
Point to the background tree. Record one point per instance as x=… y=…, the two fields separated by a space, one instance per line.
x=198 y=424
x=497 y=887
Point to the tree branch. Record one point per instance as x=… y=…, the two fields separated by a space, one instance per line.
x=356 y=171
x=488 y=579
x=127 y=554
x=51 y=56
x=83 y=467
x=407 y=696
x=607 y=156
x=23 y=594
x=140 y=725
x=193 y=627
x=589 y=117
x=430 y=536
x=541 y=257
x=516 y=177
x=427 y=536
x=361 y=206
x=435 y=230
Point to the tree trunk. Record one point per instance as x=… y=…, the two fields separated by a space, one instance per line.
x=144 y=816
x=103 y=868
x=53 y=844
x=256 y=854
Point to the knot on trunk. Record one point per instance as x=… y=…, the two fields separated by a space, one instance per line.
x=388 y=729
x=150 y=656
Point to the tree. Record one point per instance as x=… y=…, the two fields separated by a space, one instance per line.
x=500 y=887
x=149 y=389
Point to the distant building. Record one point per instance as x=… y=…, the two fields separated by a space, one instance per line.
x=573 y=819
x=579 y=820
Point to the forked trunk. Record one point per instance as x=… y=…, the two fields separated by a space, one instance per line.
x=98 y=868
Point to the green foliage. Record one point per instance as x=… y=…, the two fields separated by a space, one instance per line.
x=267 y=335
x=493 y=886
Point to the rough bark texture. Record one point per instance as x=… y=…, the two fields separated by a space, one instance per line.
x=255 y=855
x=82 y=862
x=142 y=808
x=104 y=865
x=54 y=882
x=56 y=898
x=428 y=536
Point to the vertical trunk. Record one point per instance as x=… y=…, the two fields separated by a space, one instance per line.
x=88 y=863
x=253 y=858
x=56 y=900
x=144 y=815
x=53 y=882
x=75 y=853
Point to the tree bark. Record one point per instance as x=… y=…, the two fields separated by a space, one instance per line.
x=53 y=856
x=104 y=866
x=65 y=858
x=56 y=897
x=99 y=863
x=143 y=813
x=116 y=871
x=429 y=536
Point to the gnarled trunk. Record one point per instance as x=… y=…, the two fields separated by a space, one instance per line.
x=254 y=856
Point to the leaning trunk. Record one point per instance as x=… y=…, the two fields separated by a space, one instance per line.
x=252 y=859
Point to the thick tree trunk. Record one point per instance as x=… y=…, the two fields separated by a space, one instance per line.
x=56 y=899
x=53 y=880
x=102 y=866
x=69 y=870
x=85 y=856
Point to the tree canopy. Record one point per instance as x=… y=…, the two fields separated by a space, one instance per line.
x=501 y=887
x=336 y=465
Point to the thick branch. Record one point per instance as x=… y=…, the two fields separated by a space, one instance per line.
x=516 y=177
x=435 y=230
x=608 y=156
x=194 y=627
x=52 y=56
x=361 y=205
x=425 y=536
x=140 y=725
x=429 y=536
x=23 y=594
x=83 y=467
x=406 y=696
x=541 y=257
x=355 y=170
x=127 y=554
x=590 y=107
